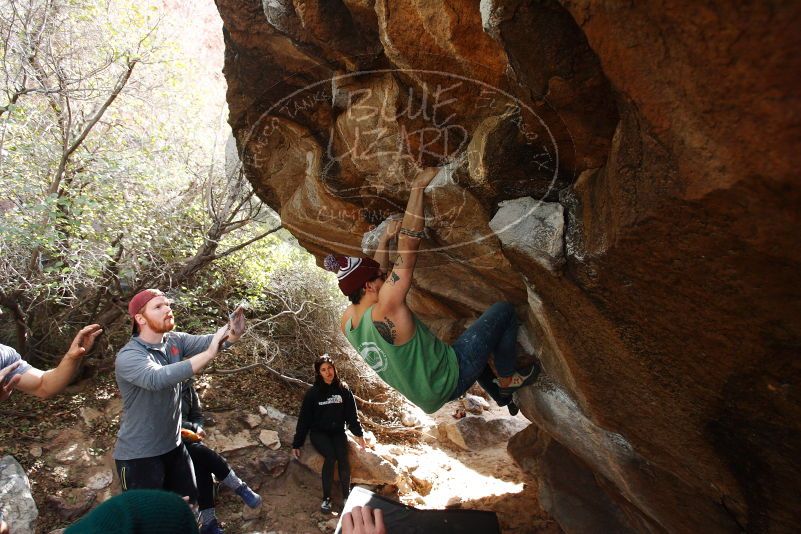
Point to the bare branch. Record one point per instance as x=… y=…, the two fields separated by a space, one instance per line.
x=123 y=79
x=242 y=245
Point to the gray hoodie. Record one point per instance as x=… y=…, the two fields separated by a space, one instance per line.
x=149 y=376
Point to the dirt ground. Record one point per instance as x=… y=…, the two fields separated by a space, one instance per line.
x=487 y=480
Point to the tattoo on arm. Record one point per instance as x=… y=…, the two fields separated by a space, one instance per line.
x=393 y=278
x=387 y=329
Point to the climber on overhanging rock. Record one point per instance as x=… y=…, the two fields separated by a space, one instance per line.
x=399 y=347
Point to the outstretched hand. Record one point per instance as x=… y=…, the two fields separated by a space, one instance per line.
x=8 y=385
x=84 y=341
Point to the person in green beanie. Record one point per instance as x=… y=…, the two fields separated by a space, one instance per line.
x=139 y=512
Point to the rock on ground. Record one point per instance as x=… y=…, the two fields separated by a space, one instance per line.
x=366 y=466
x=474 y=433
x=15 y=497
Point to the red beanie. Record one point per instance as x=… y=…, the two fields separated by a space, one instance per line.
x=352 y=273
x=138 y=302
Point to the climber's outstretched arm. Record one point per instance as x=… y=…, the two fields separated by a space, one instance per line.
x=399 y=281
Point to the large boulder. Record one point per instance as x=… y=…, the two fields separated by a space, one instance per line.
x=367 y=466
x=660 y=289
x=532 y=228
x=475 y=433
x=569 y=489
x=15 y=497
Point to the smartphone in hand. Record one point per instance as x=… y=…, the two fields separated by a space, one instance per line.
x=236 y=320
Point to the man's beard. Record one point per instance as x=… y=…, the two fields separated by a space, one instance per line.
x=160 y=327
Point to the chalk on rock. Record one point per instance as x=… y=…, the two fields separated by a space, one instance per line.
x=370 y=239
x=532 y=228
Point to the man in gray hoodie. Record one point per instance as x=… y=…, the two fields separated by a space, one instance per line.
x=150 y=368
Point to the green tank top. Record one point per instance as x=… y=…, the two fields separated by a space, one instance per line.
x=424 y=369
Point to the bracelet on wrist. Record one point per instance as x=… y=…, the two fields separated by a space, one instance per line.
x=413 y=233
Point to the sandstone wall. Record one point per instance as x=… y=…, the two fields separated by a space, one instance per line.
x=626 y=173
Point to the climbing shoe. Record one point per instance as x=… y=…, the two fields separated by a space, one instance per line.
x=519 y=380
x=509 y=402
x=248 y=496
x=326 y=506
x=513 y=409
x=212 y=527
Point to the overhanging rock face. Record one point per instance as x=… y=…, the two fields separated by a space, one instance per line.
x=627 y=175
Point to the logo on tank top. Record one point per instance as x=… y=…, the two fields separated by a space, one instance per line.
x=374 y=356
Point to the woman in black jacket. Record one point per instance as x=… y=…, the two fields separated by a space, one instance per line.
x=208 y=462
x=327 y=407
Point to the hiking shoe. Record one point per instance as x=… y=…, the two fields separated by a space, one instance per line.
x=212 y=527
x=325 y=507
x=248 y=496
x=520 y=380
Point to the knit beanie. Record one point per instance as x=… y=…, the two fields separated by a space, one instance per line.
x=352 y=273
x=138 y=302
x=139 y=512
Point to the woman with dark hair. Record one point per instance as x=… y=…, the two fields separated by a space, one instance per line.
x=327 y=408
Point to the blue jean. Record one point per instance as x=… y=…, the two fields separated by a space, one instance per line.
x=495 y=332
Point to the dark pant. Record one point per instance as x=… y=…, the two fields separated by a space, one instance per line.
x=495 y=332
x=334 y=448
x=171 y=471
x=206 y=462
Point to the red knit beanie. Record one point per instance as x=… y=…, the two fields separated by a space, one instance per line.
x=352 y=272
x=138 y=302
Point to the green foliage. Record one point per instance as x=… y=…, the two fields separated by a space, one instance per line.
x=130 y=206
x=271 y=276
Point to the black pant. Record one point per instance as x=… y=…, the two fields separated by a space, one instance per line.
x=334 y=448
x=207 y=462
x=171 y=471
